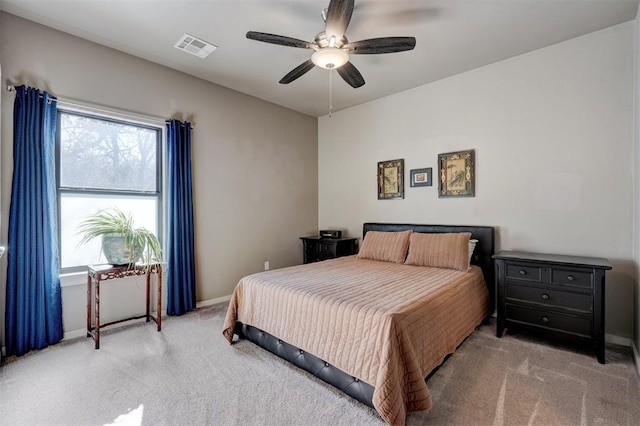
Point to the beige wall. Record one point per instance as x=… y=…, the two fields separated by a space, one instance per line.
x=254 y=163
x=553 y=134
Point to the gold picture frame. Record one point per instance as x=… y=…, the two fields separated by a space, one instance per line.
x=391 y=179
x=456 y=174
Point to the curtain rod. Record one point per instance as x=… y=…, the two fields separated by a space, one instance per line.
x=76 y=104
x=11 y=88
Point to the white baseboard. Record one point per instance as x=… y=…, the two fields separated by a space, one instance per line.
x=636 y=356
x=210 y=302
x=609 y=338
x=82 y=332
x=74 y=334
x=617 y=340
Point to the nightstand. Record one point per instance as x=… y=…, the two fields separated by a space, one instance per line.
x=561 y=296
x=316 y=249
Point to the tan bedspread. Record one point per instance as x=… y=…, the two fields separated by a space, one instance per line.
x=387 y=324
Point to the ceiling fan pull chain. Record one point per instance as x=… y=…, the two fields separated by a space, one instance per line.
x=330 y=92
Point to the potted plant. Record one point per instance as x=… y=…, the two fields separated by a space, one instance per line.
x=122 y=244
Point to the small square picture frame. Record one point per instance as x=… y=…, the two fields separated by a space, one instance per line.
x=421 y=177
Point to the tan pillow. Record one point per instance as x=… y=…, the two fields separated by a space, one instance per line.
x=449 y=251
x=385 y=246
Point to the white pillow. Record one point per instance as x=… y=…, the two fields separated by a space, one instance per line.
x=472 y=246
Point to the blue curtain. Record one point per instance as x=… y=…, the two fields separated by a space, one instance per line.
x=33 y=316
x=181 y=274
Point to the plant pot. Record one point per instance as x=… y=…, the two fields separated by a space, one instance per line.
x=118 y=251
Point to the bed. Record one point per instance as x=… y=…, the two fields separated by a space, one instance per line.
x=376 y=324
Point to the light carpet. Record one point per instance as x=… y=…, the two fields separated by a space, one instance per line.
x=188 y=375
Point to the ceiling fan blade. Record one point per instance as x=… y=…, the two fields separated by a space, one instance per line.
x=297 y=72
x=338 y=17
x=381 y=45
x=351 y=75
x=279 y=40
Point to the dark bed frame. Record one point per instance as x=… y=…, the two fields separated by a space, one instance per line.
x=348 y=384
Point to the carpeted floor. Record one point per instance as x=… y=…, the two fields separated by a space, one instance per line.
x=188 y=375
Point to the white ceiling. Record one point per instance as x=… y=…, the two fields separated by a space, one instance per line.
x=453 y=36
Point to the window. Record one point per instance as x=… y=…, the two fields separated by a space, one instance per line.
x=102 y=163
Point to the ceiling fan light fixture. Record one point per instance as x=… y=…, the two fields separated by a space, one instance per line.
x=330 y=58
x=331 y=49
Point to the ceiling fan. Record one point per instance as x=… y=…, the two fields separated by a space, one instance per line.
x=331 y=49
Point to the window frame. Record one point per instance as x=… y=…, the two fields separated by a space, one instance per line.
x=158 y=195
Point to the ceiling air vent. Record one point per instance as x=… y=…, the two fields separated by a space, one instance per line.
x=195 y=46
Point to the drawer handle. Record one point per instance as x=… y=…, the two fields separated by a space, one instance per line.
x=545 y=297
x=523 y=272
x=545 y=319
x=571 y=277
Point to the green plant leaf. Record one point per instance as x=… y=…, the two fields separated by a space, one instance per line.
x=115 y=221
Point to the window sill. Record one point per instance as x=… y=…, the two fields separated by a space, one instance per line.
x=73 y=278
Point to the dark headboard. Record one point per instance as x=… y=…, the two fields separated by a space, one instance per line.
x=482 y=255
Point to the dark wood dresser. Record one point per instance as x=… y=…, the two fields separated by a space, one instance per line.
x=316 y=249
x=562 y=296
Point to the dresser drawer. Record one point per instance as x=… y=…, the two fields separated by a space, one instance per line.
x=552 y=320
x=561 y=299
x=524 y=272
x=553 y=298
x=550 y=274
x=327 y=250
x=572 y=277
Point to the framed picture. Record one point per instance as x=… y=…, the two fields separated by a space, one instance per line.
x=390 y=179
x=420 y=177
x=457 y=174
